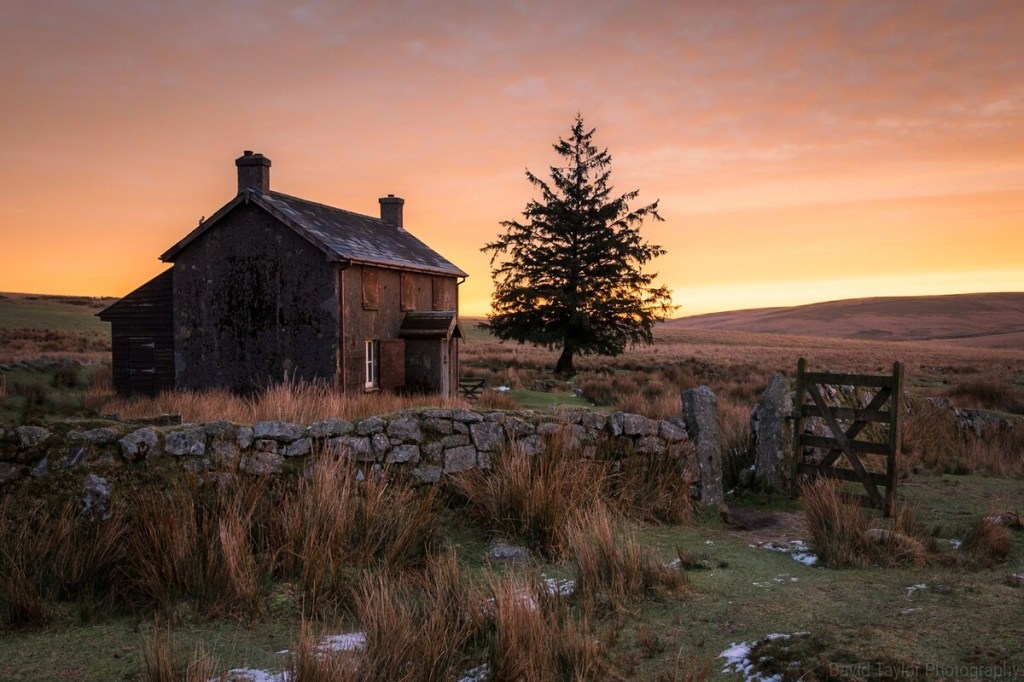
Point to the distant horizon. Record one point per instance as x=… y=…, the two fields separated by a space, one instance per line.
x=675 y=317
x=801 y=151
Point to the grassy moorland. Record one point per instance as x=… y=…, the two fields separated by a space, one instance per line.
x=187 y=579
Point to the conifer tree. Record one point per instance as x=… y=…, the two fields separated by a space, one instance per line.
x=570 y=274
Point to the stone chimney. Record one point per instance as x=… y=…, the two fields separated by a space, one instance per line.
x=391 y=209
x=253 y=171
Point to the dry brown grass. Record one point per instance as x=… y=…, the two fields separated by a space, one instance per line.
x=164 y=662
x=495 y=400
x=533 y=498
x=49 y=553
x=533 y=636
x=842 y=533
x=986 y=544
x=299 y=403
x=987 y=394
x=217 y=545
x=333 y=524
x=612 y=570
x=651 y=489
x=932 y=439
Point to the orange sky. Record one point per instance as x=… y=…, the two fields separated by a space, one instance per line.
x=801 y=151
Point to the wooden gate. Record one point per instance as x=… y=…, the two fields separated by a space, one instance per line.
x=844 y=423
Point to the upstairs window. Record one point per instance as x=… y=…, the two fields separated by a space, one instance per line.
x=372 y=364
x=408 y=284
x=371 y=289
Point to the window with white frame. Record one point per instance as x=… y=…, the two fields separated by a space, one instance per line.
x=372 y=364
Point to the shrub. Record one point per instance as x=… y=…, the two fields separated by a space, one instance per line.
x=65 y=375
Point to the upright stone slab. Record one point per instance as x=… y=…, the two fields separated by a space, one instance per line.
x=700 y=412
x=773 y=435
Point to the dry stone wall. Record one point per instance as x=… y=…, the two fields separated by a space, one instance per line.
x=428 y=443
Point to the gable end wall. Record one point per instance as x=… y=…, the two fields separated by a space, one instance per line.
x=254 y=303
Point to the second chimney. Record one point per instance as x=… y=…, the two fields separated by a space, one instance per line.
x=391 y=209
x=253 y=172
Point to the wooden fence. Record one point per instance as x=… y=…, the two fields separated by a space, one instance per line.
x=843 y=424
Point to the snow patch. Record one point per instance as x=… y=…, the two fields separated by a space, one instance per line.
x=251 y=675
x=914 y=588
x=737 y=659
x=481 y=673
x=352 y=641
x=797 y=549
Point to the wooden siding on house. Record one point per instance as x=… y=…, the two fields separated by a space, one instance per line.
x=416 y=290
x=142 y=337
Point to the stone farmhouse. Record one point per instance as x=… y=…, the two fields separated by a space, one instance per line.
x=274 y=288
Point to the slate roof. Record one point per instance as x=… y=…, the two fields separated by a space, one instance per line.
x=341 y=234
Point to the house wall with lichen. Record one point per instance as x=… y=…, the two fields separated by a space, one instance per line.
x=254 y=304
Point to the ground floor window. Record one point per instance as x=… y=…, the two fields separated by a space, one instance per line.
x=372 y=364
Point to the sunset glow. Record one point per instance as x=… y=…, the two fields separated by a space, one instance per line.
x=801 y=151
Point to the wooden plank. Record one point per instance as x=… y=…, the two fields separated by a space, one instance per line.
x=842 y=474
x=798 y=426
x=371 y=288
x=858 y=446
x=471 y=388
x=856 y=413
x=880 y=399
x=392 y=363
x=896 y=415
x=848 y=379
x=847 y=446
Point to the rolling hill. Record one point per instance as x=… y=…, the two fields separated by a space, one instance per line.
x=992 y=320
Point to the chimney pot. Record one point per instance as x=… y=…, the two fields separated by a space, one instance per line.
x=391 y=209
x=253 y=172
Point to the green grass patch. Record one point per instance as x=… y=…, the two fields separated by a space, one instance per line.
x=59 y=313
x=540 y=400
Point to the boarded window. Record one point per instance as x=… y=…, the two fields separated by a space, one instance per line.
x=441 y=299
x=392 y=363
x=408 y=292
x=371 y=289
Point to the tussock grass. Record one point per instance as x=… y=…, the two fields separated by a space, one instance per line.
x=334 y=523
x=49 y=553
x=986 y=544
x=495 y=400
x=932 y=439
x=418 y=627
x=533 y=636
x=218 y=545
x=612 y=571
x=651 y=489
x=164 y=662
x=842 y=534
x=988 y=394
x=533 y=498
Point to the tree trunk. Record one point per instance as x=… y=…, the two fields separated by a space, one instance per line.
x=564 y=364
